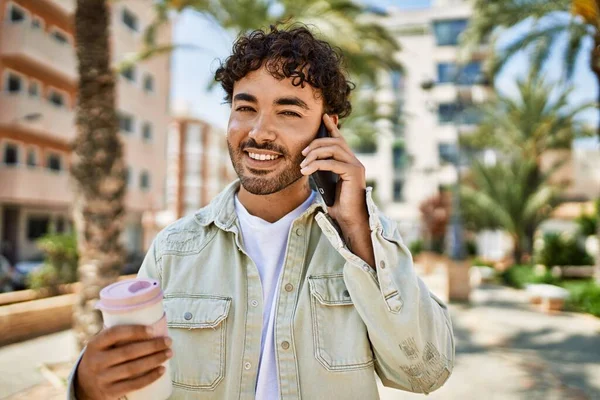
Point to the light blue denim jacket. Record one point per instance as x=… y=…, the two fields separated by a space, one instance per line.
x=338 y=321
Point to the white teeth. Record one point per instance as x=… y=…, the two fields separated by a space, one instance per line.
x=262 y=157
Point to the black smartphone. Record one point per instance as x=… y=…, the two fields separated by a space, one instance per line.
x=325 y=181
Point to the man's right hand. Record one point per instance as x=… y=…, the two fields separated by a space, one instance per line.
x=120 y=360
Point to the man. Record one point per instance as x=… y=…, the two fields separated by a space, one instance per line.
x=269 y=293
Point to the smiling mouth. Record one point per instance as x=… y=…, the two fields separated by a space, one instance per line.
x=260 y=161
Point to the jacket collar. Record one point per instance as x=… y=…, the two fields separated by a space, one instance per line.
x=221 y=210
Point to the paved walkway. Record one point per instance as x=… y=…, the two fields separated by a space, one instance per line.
x=505 y=350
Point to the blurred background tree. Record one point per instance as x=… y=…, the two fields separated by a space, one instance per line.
x=98 y=167
x=577 y=20
x=513 y=195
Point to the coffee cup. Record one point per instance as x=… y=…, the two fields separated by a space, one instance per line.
x=138 y=302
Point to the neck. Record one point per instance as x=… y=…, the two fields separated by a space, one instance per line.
x=272 y=207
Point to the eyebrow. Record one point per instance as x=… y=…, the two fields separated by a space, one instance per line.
x=282 y=101
x=291 y=101
x=245 y=97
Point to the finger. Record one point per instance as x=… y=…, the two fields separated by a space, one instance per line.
x=121 y=333
x=315 y=144
x=347 y=172
x=332 y=127
x=322 y=153
x=136 y=367
x=123 y=387
x=135 y=350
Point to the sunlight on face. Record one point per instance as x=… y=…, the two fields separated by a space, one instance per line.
x=271 y=122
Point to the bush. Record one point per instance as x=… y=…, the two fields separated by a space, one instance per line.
x=558 y=250
x=585 y=296
x=61 y=258
x=416 y=247
x=45 y=277
x=480 y=262
x=520 y=275
x=588 y=222
x=471 y=247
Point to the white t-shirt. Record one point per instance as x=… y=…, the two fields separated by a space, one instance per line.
x=265 y=243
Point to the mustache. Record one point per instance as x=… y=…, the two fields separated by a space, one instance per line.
x=251 y=143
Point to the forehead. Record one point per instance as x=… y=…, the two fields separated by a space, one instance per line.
x=264 y=86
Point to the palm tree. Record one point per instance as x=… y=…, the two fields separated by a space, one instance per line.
x=367 y=46
x=513 y=195
x=98 y=168
x=539 y=118
x=551 y=23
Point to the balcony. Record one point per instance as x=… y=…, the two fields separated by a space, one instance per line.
x=25 y=113
x=66 y=6
x=27 y=185
x=34 y=46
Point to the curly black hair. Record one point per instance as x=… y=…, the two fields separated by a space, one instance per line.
x=293 y=53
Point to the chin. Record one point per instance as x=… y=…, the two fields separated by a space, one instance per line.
x=265 y=185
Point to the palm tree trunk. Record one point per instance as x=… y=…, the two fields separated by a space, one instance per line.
x=595 y=60
x=98 y=168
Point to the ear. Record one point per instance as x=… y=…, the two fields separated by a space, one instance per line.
x=335 y=119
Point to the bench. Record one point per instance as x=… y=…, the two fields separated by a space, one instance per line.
x=549 y=297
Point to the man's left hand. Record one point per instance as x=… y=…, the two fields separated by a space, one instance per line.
x=334 y=154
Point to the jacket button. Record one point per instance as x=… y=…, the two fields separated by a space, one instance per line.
x=187 y=316
x=382 y=264
x=289 y=287
x=285 y=345
x=299 y=231
x=254 y=303
x=247 y=365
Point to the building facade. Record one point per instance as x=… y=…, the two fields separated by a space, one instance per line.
x=38 y=96
x=198 y=168
x=415 y=156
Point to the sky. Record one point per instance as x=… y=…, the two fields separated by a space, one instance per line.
x=193 y=69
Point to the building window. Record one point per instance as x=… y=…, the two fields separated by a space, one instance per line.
x=56 y=98
x=11 y=154
x=469 y=75
x=59 y=37
x=145 y=180
x=447 y=152
x=398 y=157
x=126 y=123
x=398 y=190
x=31 y=158
x=14 y=83
x=447 y=33
x=128 y=176
x=130 y=20
x=34 y=89
x=54 y=162
x=16 y=14
x=60 y=225
x=149 y=83
x=147 y=132
x=447 y=112
x=129 y=74
x=37 y=227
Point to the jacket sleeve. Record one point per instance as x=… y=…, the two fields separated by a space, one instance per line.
x=147 y=270
x=409 y=328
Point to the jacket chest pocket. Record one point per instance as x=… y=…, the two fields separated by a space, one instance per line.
x=339 y=334
x=198 y=326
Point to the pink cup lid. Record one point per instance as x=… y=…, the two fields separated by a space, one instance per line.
x=129 y=295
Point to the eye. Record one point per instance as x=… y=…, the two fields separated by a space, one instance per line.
x=290 y=114
x=244 y=109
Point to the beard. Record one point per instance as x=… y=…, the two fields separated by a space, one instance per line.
x=261 y=182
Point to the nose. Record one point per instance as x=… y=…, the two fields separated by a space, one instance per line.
x=262 y=130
